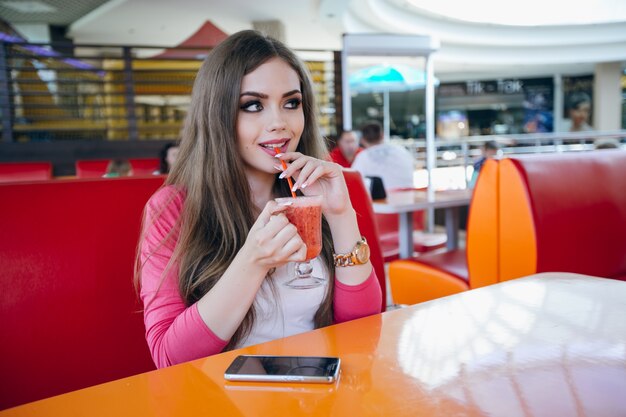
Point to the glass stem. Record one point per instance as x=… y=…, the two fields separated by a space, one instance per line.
x=304 y=269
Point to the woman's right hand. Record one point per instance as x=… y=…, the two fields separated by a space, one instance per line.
x=272 y=240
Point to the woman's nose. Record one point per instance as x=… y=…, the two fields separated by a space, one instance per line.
x=277 y=121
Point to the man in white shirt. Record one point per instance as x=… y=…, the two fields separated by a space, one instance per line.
x=392 y=163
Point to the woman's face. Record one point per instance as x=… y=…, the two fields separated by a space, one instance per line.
x=270 y=115
x=580 y=115
x=172 y=154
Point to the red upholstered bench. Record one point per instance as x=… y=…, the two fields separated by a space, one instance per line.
x=563 y=212
x=95 y=168
x=25 y=171
x=362 y=204
x=70 y=315
x=144 y=166
x=540 y=213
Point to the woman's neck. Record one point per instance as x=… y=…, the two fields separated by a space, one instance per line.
x=261 y=186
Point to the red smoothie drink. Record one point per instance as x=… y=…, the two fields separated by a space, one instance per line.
x=306 y=214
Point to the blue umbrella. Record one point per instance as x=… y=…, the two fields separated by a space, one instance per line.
x=386 y=78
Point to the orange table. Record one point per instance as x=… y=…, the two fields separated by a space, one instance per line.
x=547 y=345
x=404 y=203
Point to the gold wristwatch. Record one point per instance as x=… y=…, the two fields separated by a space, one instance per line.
x=359 y=255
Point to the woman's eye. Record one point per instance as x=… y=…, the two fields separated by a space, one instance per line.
x=252 y=106
x=294 y=103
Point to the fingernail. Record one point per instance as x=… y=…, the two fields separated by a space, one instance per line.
x=295 y=187
x=304 y=184
x=278 y=167
x=278 y=155
x=282 y=175
x=286 y=203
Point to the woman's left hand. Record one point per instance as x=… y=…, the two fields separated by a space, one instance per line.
x=317 y=177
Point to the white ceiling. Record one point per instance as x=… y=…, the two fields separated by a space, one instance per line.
x=526 y=13
x=468 y=49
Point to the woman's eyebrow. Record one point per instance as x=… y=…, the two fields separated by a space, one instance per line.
x=291 y=93
x=253 y=93
x=264 y=96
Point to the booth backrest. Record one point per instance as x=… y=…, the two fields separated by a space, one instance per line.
x=144 y=166
x=362 y=204
x=539 y=213
x=70 y=314
x=434 y=275
x=95 y=168
x=563 y=212
x=25 y=171
x=483 y=228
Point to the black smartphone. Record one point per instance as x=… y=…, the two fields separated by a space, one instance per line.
x=283 y=369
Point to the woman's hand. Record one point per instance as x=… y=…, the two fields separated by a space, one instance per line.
x=317 y=177
x=272 y=240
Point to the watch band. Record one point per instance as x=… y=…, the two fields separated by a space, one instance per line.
x=346 y=259
x=358 y=256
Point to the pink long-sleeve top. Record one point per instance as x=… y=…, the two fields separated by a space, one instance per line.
x=176 y=333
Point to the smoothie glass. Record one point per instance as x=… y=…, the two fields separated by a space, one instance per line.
x=306 y=214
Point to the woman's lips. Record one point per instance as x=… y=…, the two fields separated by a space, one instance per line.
x=270 y=150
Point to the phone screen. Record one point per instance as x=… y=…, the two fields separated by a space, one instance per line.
x=283 y=368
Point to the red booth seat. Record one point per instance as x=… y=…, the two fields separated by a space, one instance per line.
x=70 y=315
x=563 y=212
x=25 y=171
x=362 y=204
x=144 y=166
x=541 y=213
x=95 y=168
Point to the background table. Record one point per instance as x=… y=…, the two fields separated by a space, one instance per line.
x=547 y=345
x=404 y=203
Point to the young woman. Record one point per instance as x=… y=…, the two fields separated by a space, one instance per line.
x=216 y=249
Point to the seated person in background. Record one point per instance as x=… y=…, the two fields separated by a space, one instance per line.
x=489 y=150
x=118 y=168
x=346 y=150
x=392 y=163
x=167 y=157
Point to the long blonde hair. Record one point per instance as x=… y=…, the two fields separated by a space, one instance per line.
x=218 y=209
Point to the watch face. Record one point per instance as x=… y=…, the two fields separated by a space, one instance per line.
x=363 y=253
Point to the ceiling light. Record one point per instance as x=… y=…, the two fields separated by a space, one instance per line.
x=530 y=13
x=29 y=6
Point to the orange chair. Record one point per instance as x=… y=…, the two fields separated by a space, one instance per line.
x=362 y=204
x=432 y=276
x=144 y=166
x=25 y=171
x=95 y=168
